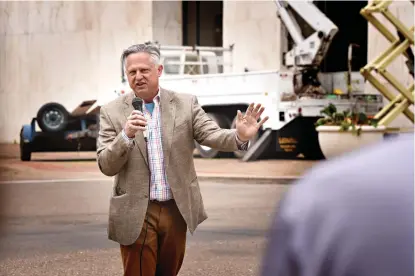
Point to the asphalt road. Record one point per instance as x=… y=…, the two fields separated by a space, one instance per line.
x=60 y=229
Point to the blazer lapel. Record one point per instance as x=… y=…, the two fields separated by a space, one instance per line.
x=168 y=113
x=139 y=137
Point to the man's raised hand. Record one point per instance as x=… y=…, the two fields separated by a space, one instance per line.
x=247 y=125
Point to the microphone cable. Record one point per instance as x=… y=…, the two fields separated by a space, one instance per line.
x=148 y=207
x=137 y=103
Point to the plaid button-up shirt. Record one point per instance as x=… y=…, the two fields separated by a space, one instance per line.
x=159 y=189
x=159 y=186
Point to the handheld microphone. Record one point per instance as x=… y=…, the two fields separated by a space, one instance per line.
x=138 y=105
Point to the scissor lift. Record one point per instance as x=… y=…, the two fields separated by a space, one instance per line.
x=400 y=45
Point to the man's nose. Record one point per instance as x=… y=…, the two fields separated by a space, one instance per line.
x=138 y=76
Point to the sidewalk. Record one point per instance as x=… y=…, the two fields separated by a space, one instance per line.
x=83 y=166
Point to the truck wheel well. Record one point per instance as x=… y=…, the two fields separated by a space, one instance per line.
x=228 y=110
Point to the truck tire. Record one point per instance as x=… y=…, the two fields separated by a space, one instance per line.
x=52 y=117
x=207 y=152
x=25 y=152
x=241 y=154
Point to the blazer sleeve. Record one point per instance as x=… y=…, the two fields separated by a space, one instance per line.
x=208 y=133
x=112 y=148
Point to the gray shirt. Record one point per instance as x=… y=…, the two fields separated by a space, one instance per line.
x=352 y=216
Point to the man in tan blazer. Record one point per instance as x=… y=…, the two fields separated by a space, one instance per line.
x=156 y=195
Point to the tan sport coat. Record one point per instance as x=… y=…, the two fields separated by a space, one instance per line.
x=183 y=121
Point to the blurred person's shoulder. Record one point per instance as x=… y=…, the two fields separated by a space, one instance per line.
x=383 y=172
x=350 y=215
x=378 y=162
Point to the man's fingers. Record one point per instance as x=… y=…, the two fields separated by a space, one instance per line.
x=138 y=122
x=136 y=112
x=135 y=117
x=255 y=111
x=258 y=115
x=249 y=109
x=240 y=116
x=257 y=107
x=134 y=126
x=263 y=121
x=137 y=127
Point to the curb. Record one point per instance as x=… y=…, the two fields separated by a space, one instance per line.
x=250 y=179
x=211 y=178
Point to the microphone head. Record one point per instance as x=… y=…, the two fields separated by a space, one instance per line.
x=137 y=104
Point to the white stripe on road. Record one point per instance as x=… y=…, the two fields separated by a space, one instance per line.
x=54 y=180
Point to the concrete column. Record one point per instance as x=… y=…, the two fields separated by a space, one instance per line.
x=167 y=22
x=256 y=31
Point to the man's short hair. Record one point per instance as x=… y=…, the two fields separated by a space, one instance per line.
x=147 y=47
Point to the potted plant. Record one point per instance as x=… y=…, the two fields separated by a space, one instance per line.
x=342 y=132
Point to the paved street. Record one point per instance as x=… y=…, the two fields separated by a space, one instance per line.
x=60 y=229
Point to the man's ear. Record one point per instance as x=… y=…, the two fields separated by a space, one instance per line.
x=160 y=70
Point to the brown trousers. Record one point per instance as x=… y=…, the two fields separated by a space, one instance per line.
x=164 y=246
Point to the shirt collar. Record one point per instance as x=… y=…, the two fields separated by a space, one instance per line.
x=156 y=99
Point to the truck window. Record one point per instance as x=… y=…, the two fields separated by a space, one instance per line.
x=194 y=69
x=172 y=65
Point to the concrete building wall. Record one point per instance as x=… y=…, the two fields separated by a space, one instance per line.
x=69 y=52
x=167 y=22
x=377 y=44
x=255 y=29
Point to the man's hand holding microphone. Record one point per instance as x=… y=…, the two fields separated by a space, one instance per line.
x=135 y=122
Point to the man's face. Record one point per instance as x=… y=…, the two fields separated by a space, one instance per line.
x=143 y=75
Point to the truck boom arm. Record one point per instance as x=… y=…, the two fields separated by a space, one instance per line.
x=309 y=51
